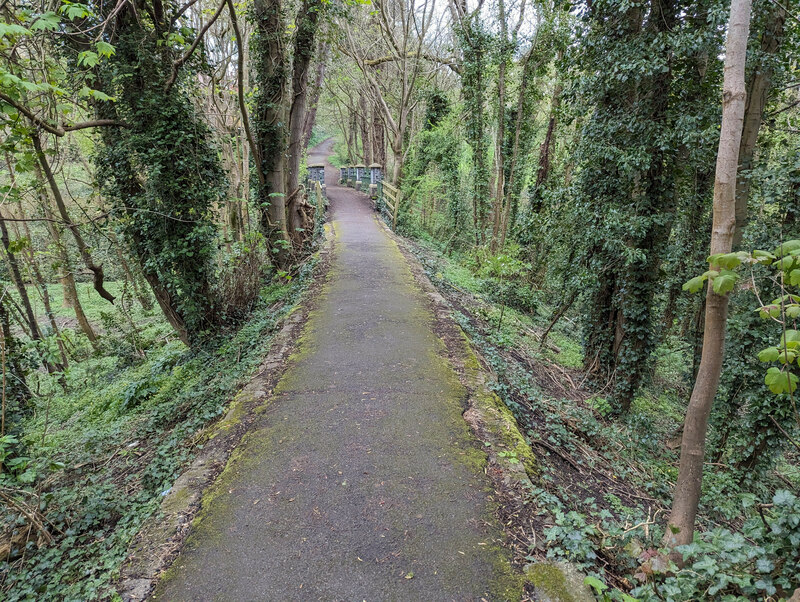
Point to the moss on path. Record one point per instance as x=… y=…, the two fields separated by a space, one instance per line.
x=362 y=481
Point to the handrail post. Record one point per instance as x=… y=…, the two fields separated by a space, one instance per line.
x=396 y=208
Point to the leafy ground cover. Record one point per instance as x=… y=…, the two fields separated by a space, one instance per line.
x=603 y=495
x=101 y=452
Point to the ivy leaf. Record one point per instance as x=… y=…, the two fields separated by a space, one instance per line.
x=595 y=584
x=707 y=563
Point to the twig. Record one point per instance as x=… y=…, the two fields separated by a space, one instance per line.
x=185 y=57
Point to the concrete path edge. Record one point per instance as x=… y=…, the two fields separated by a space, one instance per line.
x=161 y=536
x=492 y=422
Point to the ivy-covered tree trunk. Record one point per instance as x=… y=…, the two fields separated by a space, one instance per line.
x=499 y=147
x=161 y=174
x=546 y=148
x=632 y=181
x=474 y=46
x=307 y=25
x=313 y=101
x=758 y=88
x=270 y=117
x=14 y=373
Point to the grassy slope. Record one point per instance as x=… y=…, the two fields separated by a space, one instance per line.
x=606 y=485
x=107 y=448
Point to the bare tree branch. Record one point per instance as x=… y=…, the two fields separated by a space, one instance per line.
x=60 y=130
x=180 y=61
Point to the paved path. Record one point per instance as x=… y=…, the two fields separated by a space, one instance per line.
x=362 y=480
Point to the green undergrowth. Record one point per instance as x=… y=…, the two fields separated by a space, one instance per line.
x=606 y=483
x=318 y=134
x=339 y=157
x=104 y=452
x=93 y=304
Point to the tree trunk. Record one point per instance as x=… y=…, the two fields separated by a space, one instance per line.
x=67 y=279
x=30 y=256
x=141 y=295
x=397 y=159
x=352 y=139
x=16 y=276
x=19 y=283
x=305 y=35
x=83 y=249
x=757 y=92
x=378 y=139
x=690 y=474
x=313 y=99
x=546 y=149
x=366 y=139
x=271 y=115
x=242 y=83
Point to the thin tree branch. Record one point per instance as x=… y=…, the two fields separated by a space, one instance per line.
x=180 y=61
x=240 y=87
x=428 y=57
x=60 y=130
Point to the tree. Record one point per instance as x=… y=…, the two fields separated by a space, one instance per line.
x=690 y=474
x=405 y=28
x=162 y=174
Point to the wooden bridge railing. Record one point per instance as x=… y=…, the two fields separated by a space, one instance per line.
x=391 y=198
x=320 y=208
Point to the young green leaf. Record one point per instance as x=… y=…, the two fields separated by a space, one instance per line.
x=770 y=354
x=87 y=58
x=787 y=247
x=11 y=29
x=695 y=284
x=104 y=49
x=46 y=22
x=724 y=283
x=780 y=382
